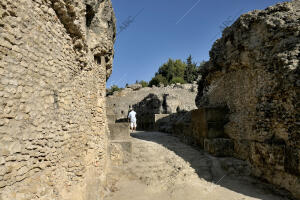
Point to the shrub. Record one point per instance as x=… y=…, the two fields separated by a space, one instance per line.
x=144 y=83
x=113 y=88
x=177 y=80
x=157 y=80
x=171 y=69
x=190 y=73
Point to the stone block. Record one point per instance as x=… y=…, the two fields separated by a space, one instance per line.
x=120 y=152
x=215 y=113
x=199 y=123
x=219 y=146
x=119 y=131
x=211 y=114
x=208 y=122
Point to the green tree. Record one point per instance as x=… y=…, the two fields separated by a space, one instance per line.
x=157 y=80
x=144 y=83
x=113 y=89
x=202 y=64
x=177 y=80
x=190 y=73
x=203 y=67
x=171 y=69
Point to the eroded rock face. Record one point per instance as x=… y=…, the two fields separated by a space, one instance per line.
x=254 y=71
x=55 y=57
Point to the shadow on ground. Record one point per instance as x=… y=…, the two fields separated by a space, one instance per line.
x=230 y=173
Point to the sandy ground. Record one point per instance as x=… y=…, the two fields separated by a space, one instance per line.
x=163 y=168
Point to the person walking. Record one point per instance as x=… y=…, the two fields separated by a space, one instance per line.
x=132 y=118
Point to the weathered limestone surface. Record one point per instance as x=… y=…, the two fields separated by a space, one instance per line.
x=254 y=71
x=55 y=57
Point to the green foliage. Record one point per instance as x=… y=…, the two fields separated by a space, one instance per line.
x=113 y=88
x=190 y=73
x=203 y=68
x=143 y=83
x=203 y=63
x=171 y=69
x=177 y=80
x=157 y=80
x=177 y=71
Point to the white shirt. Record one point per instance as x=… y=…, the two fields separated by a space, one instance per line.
x=132 y=116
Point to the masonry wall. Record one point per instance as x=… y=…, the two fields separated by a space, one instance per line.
x=149 y=101
x=55 y=57
x=254 y=72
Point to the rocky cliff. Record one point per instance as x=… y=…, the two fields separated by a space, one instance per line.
x=55 y=57
x=254 y=71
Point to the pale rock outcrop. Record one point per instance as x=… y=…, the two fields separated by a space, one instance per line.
x=254 y=72
x=134 y=86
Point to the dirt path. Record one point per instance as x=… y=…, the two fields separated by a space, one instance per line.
x=163 y=168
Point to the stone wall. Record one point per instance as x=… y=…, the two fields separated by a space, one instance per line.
x=254 y=72
x=55 y=57
x=149 y=101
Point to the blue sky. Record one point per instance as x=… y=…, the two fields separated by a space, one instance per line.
x=169 y=29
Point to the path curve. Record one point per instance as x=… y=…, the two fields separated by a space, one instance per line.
x=164 y=168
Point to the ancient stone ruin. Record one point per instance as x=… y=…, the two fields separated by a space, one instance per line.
x=254 y=71
x=61 y=138
x=55 y=57
x=253 y=74
x=248 y=97
x=151 y=103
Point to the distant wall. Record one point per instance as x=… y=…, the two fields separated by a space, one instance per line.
x=254 y=71
x=150 y=101
x=55 y=56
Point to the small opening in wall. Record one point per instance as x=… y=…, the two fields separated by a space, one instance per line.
x=90 y=14
x=106 y=59
x=97 y=59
